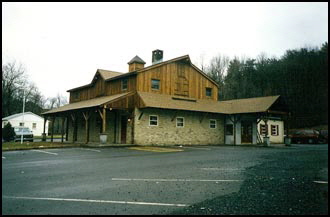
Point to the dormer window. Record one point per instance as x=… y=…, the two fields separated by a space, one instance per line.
x=155 y=84
x=208 y=91
x=124 y=84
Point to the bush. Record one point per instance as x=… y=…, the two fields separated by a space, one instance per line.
x=8 y=132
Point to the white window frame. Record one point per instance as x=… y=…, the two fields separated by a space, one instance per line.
x=182 y=122
x=214 y=124
x=150 y=120
x=276 y=129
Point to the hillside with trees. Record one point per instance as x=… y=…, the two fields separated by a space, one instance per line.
x=300 y=76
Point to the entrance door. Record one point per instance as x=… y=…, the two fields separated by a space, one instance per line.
x=123 y=130
x=246 y=131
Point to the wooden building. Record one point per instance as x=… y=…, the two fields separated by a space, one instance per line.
x=169 y=102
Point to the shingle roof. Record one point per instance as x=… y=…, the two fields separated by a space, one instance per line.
x=106 y=74
x=250 y=105
x=19 y=114
x=136 y=59
x=86 y=103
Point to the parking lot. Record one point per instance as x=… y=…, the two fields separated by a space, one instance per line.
x=131 y=180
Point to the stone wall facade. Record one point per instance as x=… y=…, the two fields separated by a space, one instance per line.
x=196 y=129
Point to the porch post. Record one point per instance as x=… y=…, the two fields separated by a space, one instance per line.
x=52 y=132
x=74 y=127
x=63 y=119
x=44 y=132
x=67 y=129
x=104 y=122
x=234 y=129
x=86 y=116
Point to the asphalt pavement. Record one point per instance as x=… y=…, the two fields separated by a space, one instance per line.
x=186 y=180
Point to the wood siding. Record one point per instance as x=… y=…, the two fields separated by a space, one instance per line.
x=178 y=78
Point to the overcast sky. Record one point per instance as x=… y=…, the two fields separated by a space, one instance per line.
x=63 y=44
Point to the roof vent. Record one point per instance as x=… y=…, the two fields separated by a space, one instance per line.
x=157 y=56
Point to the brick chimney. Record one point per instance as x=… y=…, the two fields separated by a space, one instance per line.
x=135 y=64
x=157 y=56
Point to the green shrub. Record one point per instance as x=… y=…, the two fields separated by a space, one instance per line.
x=8 y=132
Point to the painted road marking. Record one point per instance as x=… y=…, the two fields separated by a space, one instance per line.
x=208 y=149
x=3 y=158
x=88 y=149
x=155 y=149
x=46 y=152
x=99 y=201
x=321 y=182
x=221 y=169
x=175 y=180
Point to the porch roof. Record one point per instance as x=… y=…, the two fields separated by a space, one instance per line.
x=249 y=105
x=86 y=103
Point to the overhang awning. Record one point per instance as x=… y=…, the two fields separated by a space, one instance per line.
x=87 y=103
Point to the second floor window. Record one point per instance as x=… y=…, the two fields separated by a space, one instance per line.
x=21 y=124
x=155 y=84
x=124 y=84
x=208 y=91
x=34 y=126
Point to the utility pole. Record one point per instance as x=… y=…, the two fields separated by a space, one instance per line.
x=23 y=116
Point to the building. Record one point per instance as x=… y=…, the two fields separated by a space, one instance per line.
x=34 y=122
x=169 y=102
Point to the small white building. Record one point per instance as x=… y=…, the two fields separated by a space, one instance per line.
x=274 y=129
x=34 y=122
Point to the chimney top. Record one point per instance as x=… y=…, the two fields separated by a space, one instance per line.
x=157 y=56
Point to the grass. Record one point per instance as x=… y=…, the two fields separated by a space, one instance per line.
x=48 y=137
x=9 y=146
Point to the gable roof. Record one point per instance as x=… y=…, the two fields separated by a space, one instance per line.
x=87 y=103
x=20 y=114
x=136 y=59
x=105 y=74
x=238 y=106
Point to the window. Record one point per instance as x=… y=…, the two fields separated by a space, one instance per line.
x=229 y=129
x=155 y=84
x=213 y=124
x=274 y=130
x=153 y=120
x=208 y=91
x=21 y=124
x=124 y=84
x=34 y=126
x=180 y=122
x=75 y=95
x=263 y=130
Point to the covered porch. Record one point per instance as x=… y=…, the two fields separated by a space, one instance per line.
x=105 y=119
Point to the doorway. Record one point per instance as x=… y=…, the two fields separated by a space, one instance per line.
x=123 y=130
x=246 y=131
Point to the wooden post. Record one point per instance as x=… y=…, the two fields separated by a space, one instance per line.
x=67 y=129
x=63 y=119
x=74 y=127
x=52 y=132
x=86 y=116
x=44 y=134
x=104 y=120
x=132 y=125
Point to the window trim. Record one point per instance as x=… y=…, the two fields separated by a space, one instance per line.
x=276 y=130
x=150 y=120
x=214 y=124
x=177 y=122
x=154 y=79
x=266 y=129
x=34 y=127
x=122 y=84
x=208 y=88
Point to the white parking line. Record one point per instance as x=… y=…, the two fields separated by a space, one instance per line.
x=321 y=182
x=99 y=201
x=45 y=152
x=3 y=158
x=221 y=169
x=176 y=180
x=208 y=149
x=90 y=149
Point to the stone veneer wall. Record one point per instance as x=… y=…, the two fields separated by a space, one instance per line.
x=194 y=132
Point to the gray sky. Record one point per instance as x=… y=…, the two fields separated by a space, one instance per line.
x=62 y=44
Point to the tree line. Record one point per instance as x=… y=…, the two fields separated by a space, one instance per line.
x=15 y=84
x=300 y=76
